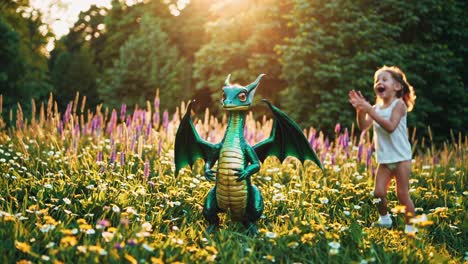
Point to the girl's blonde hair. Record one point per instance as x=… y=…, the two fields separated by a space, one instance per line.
x=407 y=92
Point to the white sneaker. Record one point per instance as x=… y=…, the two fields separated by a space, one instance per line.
x=410 y=229
x=383 y=222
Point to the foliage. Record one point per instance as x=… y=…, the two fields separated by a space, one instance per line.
x=147 y=61
x=241 y=46
x=23 y=73
x=74 y=72
x=313 y=52
x=102 y=190
x=337 y=45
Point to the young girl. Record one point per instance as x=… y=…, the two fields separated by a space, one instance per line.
x=395 y=97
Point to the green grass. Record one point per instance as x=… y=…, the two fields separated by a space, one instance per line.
x=60 y=202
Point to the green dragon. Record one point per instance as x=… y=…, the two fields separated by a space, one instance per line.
x=237 y=160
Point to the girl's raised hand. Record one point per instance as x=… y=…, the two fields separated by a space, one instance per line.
x=358 y=101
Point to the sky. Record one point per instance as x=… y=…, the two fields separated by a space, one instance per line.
x=62 y=14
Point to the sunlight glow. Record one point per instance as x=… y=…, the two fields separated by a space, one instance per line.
x=61 y=15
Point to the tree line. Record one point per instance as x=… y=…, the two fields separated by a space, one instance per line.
x=313 y=52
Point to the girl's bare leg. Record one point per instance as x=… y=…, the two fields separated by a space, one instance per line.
x=402 y=174
x=382 y=181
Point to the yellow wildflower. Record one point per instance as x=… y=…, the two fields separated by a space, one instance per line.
x=156 y=260
x=23 y=247
x=269 y=258
x=8 y=218
x=295 y=230
x=130 y=259
x=68 y=241
x=399 y=209
x=82 y=249
x=82 y=221
x=50 y=220
x=66 y=231
x=293 y=244
x=33 y=207
x=307 y=237
x=85 y=227
x=191 y=249
x=211 y=249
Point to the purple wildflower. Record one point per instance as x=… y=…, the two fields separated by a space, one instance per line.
x=143 y=117
x=340 y=140
x=129 y=121
x=165 y=120
x=99 y=156
x=112 y=122
x=103 y=223
x=67 y=114
x=93 y=124
x=132 y=242
x=312 y=138
x=123 y=112
x=369 y=157
x=156 y=103
x=156 y=118
x=122 y=158
x=77 y=130
x=119 y=245
x=60 y=128
x=359 y=154
x=112 y=156
x=346 y=138
x=148 y=129
x=337 y=128
x=322 y=157
x=138 y=129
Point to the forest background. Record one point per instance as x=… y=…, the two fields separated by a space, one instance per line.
x=312 y=51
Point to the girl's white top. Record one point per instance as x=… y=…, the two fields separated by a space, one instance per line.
x=395 y=146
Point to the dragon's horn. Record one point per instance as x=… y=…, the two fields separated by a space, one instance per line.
x=226 y=82
x=254 y=85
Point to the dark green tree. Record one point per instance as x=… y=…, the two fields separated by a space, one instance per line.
x=242 y=40
x=24 y=72
x=75 y=62
x=12 y=65
x=337 y=46
x=146 y=62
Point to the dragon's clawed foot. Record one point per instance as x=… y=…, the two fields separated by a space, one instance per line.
x=212 y=229
x=252 y=229
x=210 y=175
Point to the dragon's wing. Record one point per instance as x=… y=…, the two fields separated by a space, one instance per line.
x=189 y=146
x=286 y=139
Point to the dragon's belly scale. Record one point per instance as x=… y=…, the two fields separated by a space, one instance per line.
x=231 y=194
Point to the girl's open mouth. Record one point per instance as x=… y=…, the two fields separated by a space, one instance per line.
x=381 y=89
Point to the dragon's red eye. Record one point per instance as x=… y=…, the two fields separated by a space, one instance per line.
x=242 y=97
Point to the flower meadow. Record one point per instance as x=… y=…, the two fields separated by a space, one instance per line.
x=98 y=186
